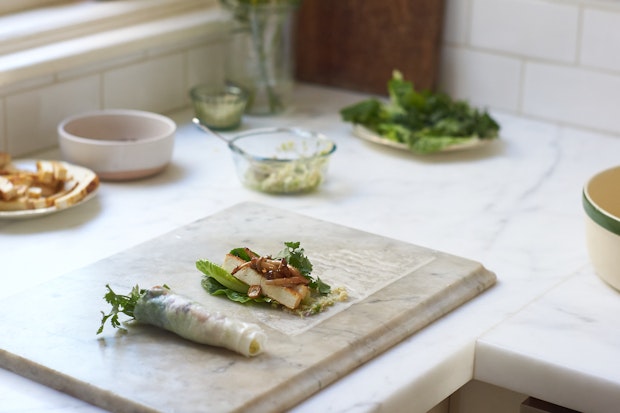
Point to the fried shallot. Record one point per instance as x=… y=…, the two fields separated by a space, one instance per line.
x=276 y=271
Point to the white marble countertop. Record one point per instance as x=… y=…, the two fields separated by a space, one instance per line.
x=546 y=328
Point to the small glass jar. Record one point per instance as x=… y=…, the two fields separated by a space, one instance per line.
x=219 y=107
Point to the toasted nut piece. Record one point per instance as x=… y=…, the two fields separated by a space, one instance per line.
x=45 y=171
x=60 y=171
x=34 y=192
x=37 y=203
x=254 y=291
x=7 y=189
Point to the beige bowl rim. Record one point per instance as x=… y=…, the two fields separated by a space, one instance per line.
x=169 y=123
x=595 y=211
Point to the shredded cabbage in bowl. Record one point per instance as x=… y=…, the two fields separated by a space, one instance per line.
x=301 y=175
x=283 y=160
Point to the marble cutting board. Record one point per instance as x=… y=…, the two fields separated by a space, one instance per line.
x=395 y=289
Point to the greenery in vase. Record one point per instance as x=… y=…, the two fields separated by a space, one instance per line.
x=255 y=15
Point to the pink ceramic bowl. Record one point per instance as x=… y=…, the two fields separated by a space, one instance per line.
x=118 y=144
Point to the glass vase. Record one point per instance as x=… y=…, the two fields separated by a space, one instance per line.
x=260 y=54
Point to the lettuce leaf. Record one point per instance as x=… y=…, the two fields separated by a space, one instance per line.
x=222 y=276
x=213 y=287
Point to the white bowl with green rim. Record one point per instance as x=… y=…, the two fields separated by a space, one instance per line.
x=601 y=202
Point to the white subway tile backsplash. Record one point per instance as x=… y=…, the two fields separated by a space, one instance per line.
x=101 y=66
x=156 y=85
x=572 y=95
x=531 y=28
x=567 y=53
x=32 y=116
x=456 y=21
x=32 y=83
x=206 y=64
x=600 y=45
x=482 y=78
x=185 y=44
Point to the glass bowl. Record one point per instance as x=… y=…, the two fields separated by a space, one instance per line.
x=220 y=107
x=282 y=160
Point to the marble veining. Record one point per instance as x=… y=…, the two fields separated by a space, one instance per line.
x=563 y=327
x=514 y=206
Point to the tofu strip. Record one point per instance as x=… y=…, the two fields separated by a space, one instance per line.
x=163 y=308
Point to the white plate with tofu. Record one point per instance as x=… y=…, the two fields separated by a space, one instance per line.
x=32 y=188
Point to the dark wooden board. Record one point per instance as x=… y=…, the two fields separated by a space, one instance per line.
x=356 y=44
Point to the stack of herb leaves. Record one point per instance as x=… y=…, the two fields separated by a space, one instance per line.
x=426 y=122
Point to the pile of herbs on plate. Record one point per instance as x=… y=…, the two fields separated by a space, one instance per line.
x=424 y=121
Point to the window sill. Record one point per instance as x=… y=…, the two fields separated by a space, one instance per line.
x=125 y=28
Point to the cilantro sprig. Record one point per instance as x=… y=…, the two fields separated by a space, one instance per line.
x=121 y=304
x=295 y=256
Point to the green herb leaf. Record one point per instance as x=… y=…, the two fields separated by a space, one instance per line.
x=243 y=253
x=320 y=286
x=416 y=118
x=295 y=256
x=431 y=144
x=365 y=113
x=121 y=304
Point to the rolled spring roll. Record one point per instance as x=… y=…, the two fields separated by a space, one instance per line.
x=161 y=307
